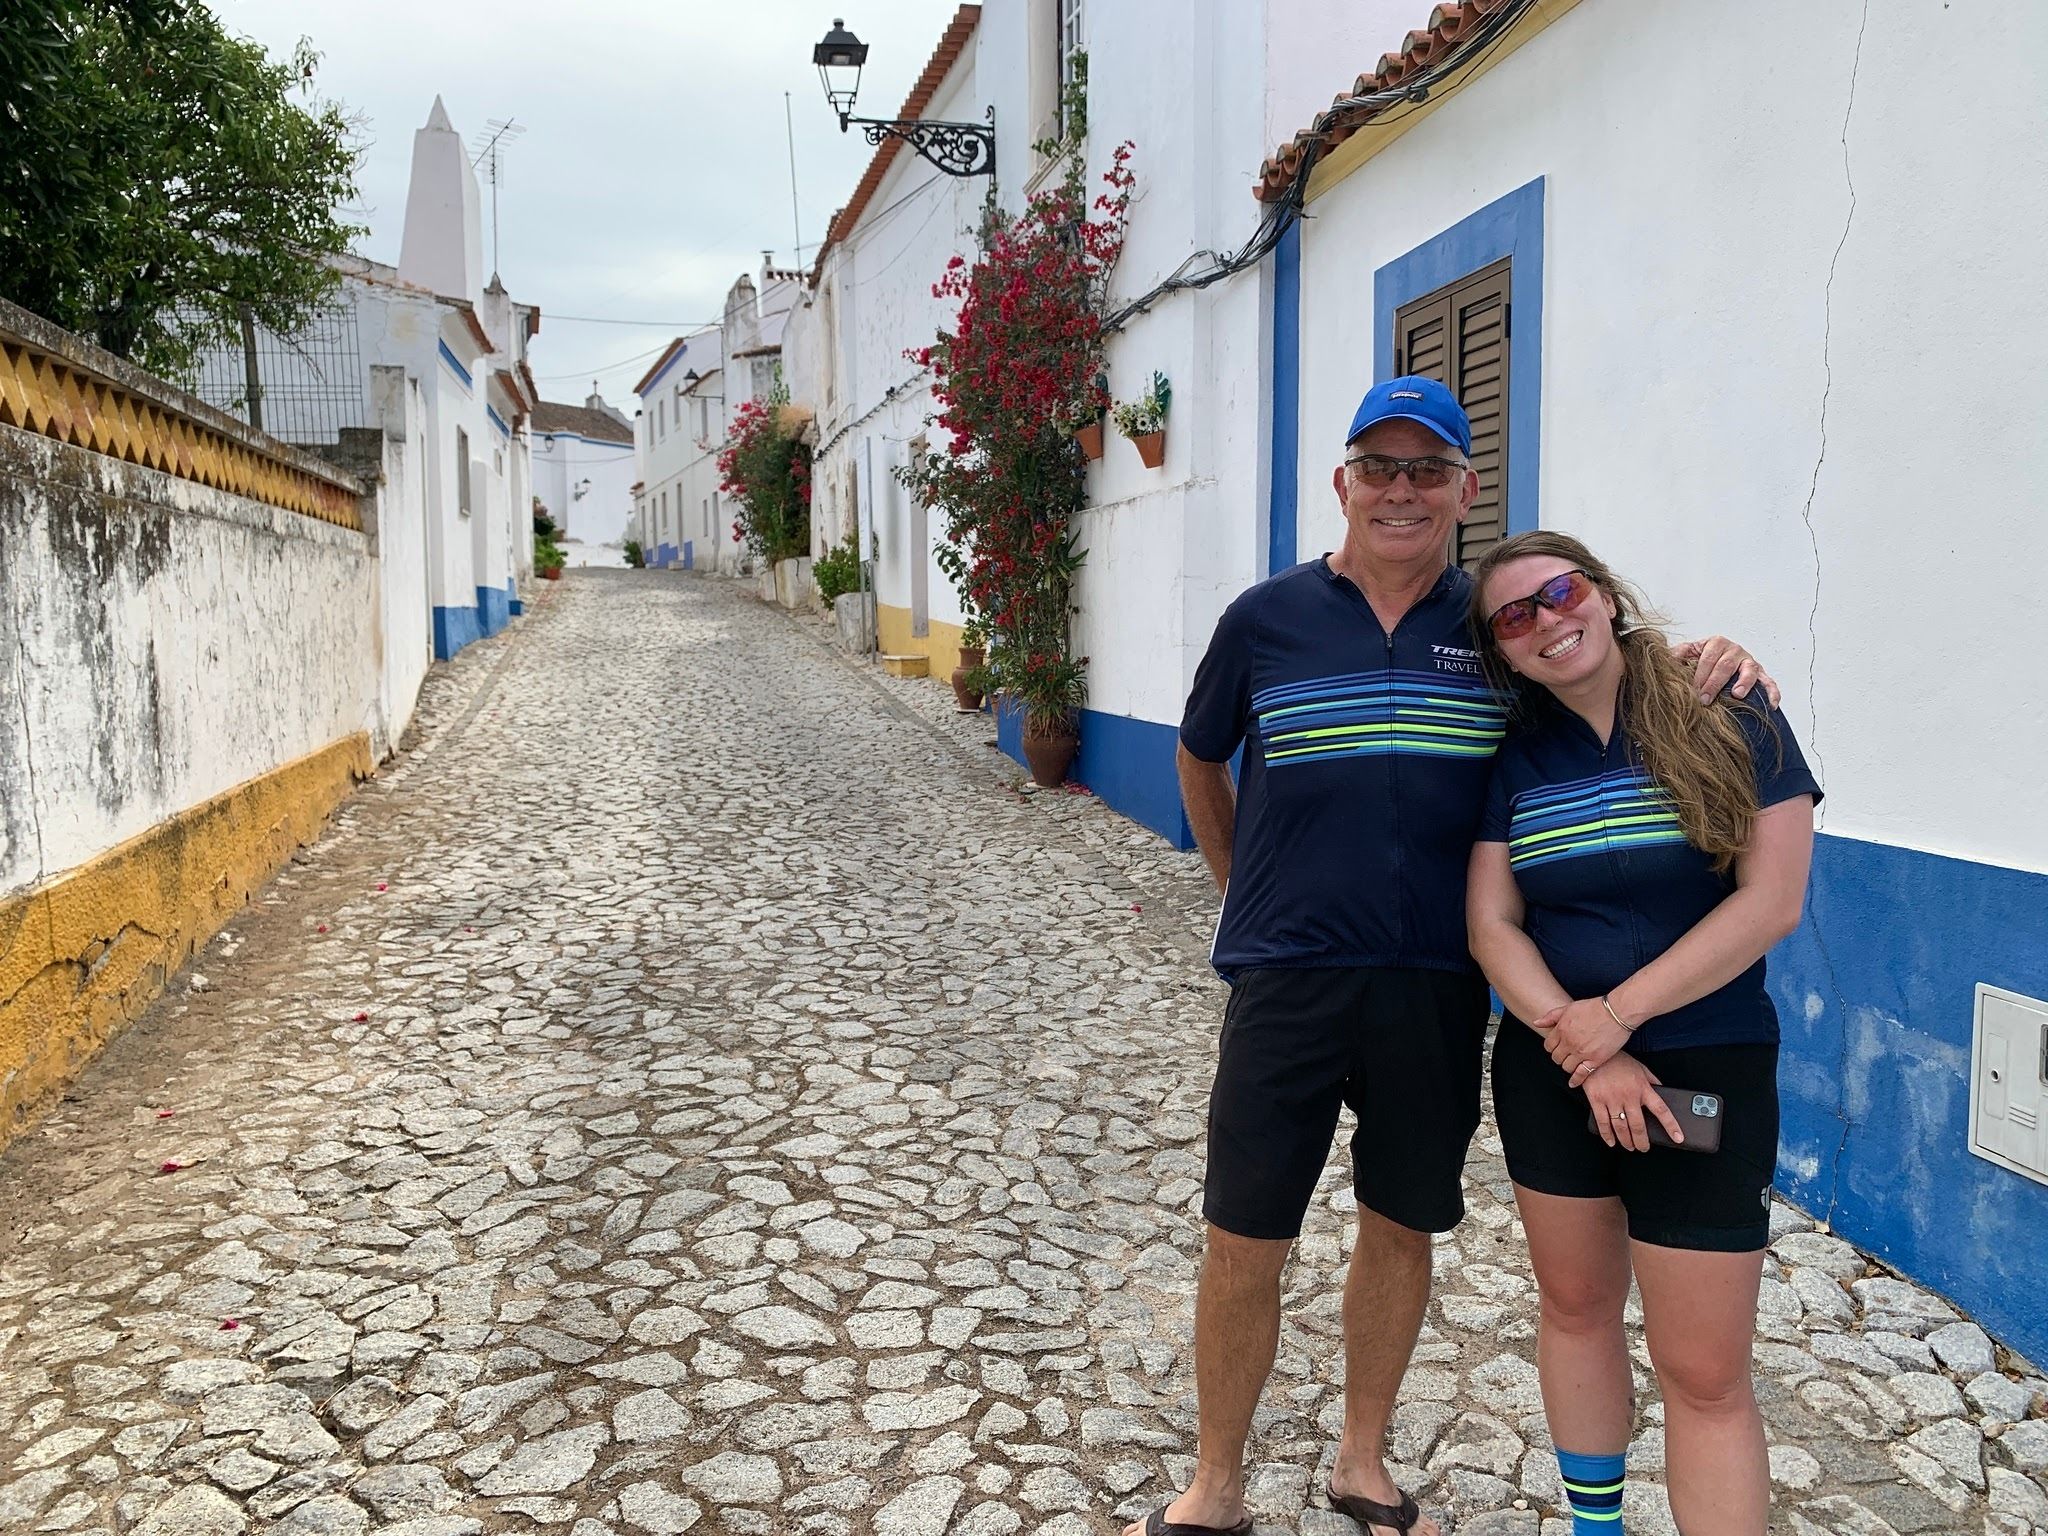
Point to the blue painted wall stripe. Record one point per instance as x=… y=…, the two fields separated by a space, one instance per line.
x=497 y=420
x=448 y=356
x=493 y=609
x=1127 y=764
x=1508 y=226
x=1283 y=510
x=1875 y=995
x=454 y=628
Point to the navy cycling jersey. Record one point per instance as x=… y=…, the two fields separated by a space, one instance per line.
x=1366 y=759
x=1608 y=880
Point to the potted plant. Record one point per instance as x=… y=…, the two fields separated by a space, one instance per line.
x=1050 y=689
x=1082 y=418
x=970 y=678
x=547 y=557
x=1143 y=421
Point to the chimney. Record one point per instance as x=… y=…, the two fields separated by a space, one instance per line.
x=443 y=245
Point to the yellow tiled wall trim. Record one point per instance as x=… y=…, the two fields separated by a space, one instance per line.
x=82 y=956
x=48 y=394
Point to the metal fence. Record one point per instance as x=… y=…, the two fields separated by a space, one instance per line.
x=303 y=388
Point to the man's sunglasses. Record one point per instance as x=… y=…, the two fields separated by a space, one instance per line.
x=1560 y=594
x=1425 y=474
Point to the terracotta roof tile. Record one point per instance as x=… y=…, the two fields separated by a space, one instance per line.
x=952 y=43
x=1447 y=28
x=581 y=420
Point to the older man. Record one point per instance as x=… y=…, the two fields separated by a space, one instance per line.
x=1368 y=733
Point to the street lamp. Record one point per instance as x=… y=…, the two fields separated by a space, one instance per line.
x=958 y=149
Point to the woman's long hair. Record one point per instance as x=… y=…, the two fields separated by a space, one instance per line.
x=1697 y=753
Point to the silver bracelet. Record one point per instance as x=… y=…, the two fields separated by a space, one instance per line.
x=1604 y=1003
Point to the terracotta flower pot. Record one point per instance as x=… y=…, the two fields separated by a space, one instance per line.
x=1151 y=448
x=967 y=699
x=1090 y=439
x=552 y=573
x=1050 y=749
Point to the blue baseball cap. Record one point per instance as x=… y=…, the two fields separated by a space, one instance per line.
x=1414 y=398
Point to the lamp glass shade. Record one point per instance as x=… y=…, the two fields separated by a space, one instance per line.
x=839 y=58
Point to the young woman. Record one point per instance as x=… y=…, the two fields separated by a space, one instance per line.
x=1642 y=850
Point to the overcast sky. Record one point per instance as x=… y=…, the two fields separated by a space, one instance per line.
x=654 y=169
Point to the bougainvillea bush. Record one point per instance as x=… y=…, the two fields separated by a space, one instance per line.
x=1018 y=370
x=766 y=469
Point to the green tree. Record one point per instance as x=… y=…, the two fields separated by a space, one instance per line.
x=157 y=176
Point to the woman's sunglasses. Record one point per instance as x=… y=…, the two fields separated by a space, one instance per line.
x=1560 y=594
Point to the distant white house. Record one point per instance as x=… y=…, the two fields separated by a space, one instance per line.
x=462 y=345
x=583 y=468
x=687 y=402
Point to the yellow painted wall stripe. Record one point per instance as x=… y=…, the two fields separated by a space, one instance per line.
x=82 y=956
x=892 y=633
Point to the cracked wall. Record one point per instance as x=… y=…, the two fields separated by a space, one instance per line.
x=1791 y=382
x=189 y=681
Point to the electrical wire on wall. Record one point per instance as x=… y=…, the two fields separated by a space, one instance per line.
x=1282 y=215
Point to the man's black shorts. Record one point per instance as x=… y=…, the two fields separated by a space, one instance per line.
x=1402 y=1047
x=1713 y=1201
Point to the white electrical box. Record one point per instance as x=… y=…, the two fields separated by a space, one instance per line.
x=2009 y=1081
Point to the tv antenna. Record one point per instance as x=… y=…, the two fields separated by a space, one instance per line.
x=492 y=147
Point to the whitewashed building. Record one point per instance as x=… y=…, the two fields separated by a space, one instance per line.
x=463 y=345
x=675 y=442
x=584 y=468
x=1166 y=546
x=1770 y=341
x=1721 y=311
x=687 y=402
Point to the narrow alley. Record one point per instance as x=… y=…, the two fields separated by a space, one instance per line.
x=667 y=1100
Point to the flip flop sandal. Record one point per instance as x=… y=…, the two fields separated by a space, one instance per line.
x=1156 y=1524
x=1369 y=1513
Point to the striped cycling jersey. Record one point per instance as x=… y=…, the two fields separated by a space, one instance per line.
x=1608 y=880
x=1363 y=776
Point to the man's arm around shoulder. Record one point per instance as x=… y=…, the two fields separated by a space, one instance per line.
x=1210 y=798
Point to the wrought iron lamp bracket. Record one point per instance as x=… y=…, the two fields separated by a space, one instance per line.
x=958 y=149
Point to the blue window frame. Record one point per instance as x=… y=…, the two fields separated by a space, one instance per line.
x=1509 y=227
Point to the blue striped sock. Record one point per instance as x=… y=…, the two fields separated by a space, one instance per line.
x=1592 y=1486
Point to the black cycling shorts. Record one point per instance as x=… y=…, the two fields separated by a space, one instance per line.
x=1403 y=1047
x=1711 y=1201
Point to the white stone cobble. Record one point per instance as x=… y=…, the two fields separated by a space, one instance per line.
x=696 y=1087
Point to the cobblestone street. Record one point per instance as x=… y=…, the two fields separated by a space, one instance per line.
x=692 y=1088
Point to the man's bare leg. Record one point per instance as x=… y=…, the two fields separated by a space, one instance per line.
x=1385 y=1295
x=1237 y=1331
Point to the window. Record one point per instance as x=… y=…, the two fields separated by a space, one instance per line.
x=462 y=471
x=661 y=418
x=1071 y=40
x=1460 y=334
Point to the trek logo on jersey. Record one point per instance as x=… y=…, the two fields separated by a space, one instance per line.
x=1455 y=658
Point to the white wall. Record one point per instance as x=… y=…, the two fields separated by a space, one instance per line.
x=874 y=302
x=669 y=452
x=1690 y=337
x=178 y=640
x=405 y=601
x=563 y=460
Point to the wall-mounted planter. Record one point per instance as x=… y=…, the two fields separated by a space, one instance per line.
x=1151 y=448
x=1090 y=439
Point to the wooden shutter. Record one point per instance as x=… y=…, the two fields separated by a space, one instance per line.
x=1460 y=334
